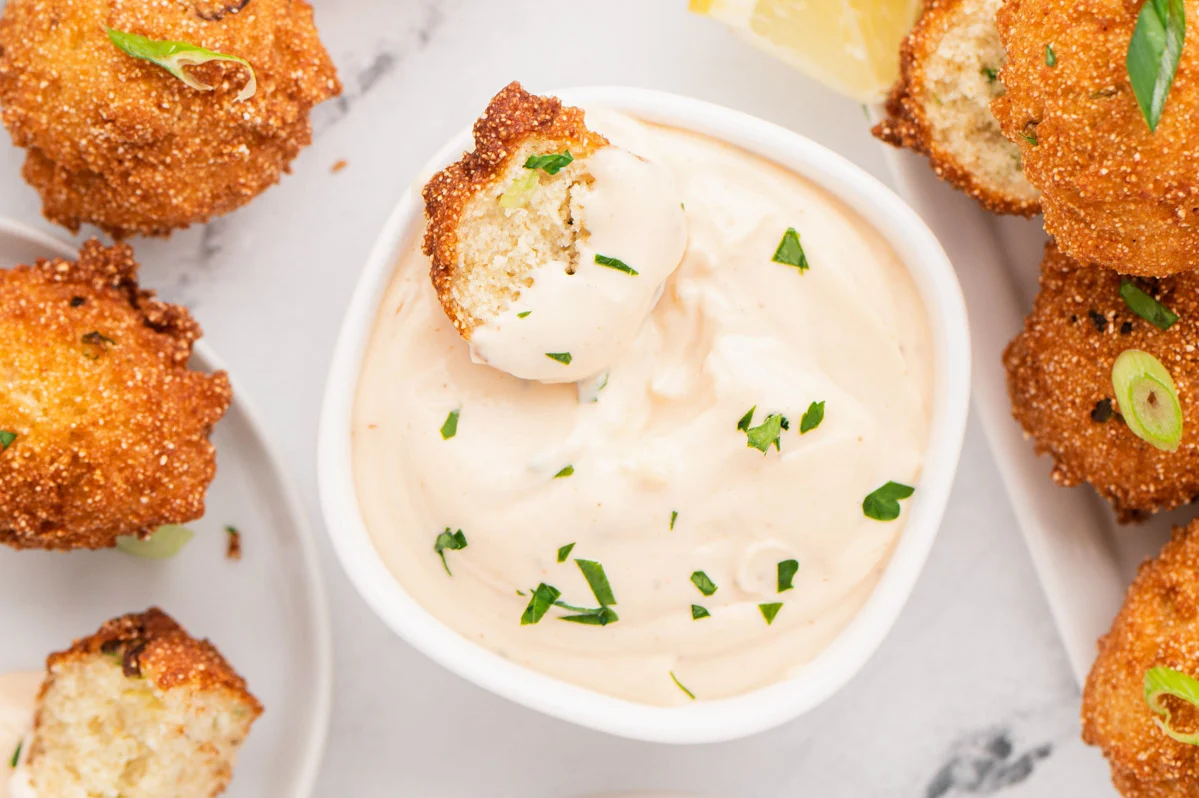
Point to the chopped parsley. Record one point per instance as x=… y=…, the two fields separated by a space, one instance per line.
x=704 y=583
x=790 y=251
x=990 y=73
x=562 y=357
x=6 y=439
x=593 y=572
x=1030 y=135
x=551 y=163
x=1153 y=55
x=768 y=432
x=698 y=612
x=674 y=516
x=1050 y=56
x=1146 y=306
x=450 y=428
x=615 y=263
x=747 y=419
x=883 y=504
x=565 y=472
x=543 y=598
x=769 y=611
x=679 y=684
x=600 y=616
x=524 y=314
x=787 y=571
x=564 y=552
x=454 y=541
x=811 y=417
x=16 y=755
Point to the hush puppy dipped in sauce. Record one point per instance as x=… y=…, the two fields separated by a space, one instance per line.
x=121 y=143
x=103 y=427
x=1060 y=377
x=1113 y=191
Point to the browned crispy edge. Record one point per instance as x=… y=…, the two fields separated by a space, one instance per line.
x=907 y=125
x=152 y=645
x=512 y=117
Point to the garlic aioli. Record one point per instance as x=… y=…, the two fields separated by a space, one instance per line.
x=732 y=330
x=18 y=698
x=587 y=318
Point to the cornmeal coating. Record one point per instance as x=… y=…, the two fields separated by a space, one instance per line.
x=118 y=142
x=1113 y=192
x=1060 y=382
x=111 y=427
x=1158 y=626
x=949 y=74
x=467 y=227
x=140 y=709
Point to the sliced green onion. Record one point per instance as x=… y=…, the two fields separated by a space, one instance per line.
x=551 y=163
x=564 y=552
x=454 y=541
x=1148 y=399
x=593 y=572
x=768 y=432
x=543 y=598
x=174 y=56
x=1161 y=682
x=615 y=263
x=883 y=504
x=787 y=571
x=703 y=583
x=698 y=612
x=518 y=192
x=562 y=357
x=450 y=428
x=769 y=611
x=811 y=417
x=679 y=684
x=1153 y=55
x=166 y=542
x=6 y=439
x=1146 y=306
x=790 y=251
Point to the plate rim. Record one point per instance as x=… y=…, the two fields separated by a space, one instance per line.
x=313 y=753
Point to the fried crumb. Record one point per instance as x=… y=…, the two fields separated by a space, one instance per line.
x=339 y=165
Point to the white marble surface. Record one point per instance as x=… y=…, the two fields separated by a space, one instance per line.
x=970 y=695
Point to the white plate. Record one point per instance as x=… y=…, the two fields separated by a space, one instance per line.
x=267 y=612
x=1083 y=558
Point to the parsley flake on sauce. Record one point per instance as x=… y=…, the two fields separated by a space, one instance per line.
x=767 y=433
x=698 y=612
x=787 y=571
x=704 y=583
x=747 y=419
x=564 y=552
x=769 y=611
x=617 y=264
x=543 y=598
x=551 y=163
x=454 y=541
x=524 y=314
x=811 y=417
x=450 y=428
x=565 y=472
x=16 y=755
x=674 y=516
x=562 y=357
x=679 y=684
x=593 y=572
x=790 y=251
x=883 y=504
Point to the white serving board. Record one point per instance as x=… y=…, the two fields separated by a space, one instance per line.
x=1083 y=558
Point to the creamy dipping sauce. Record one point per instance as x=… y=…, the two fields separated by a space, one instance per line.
x=732 y=330
x=18 y=698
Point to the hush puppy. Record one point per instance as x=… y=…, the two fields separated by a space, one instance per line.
x=1113 y=192
x=103 y=428
x=940 y=107
x=1060 y=381
x=139 y=709
x=120 y=143
x=1157 y=627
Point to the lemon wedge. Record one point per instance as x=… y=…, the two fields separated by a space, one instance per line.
x=851 y=46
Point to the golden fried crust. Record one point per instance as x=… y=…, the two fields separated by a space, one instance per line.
x=513 y=118
x=907 y=125
x=1158 y=625
x=111 y=427
x=1113 y=192
x=153 y=646
x=118 y=142
x=1059 y=371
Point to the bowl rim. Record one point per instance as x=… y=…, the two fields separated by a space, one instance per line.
x=703 y=721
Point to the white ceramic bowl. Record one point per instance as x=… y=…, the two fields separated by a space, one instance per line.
x=704 y=721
